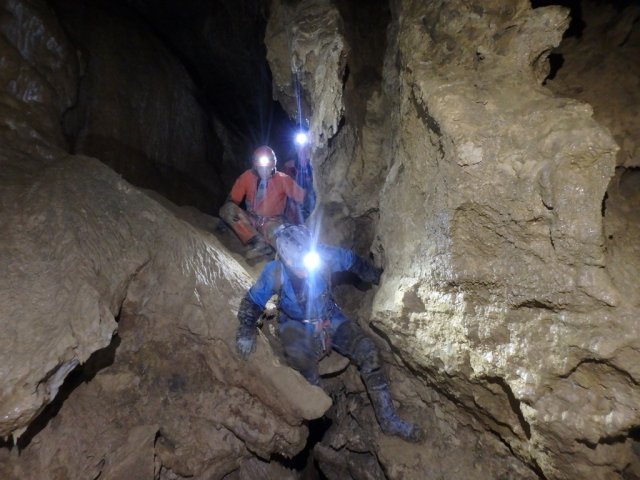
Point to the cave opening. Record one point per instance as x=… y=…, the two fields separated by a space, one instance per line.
x=304 y=462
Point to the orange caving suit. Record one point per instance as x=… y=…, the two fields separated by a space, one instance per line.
x=265 y=216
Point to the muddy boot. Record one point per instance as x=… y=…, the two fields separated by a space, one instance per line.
x=389 y=420
x=259 y=248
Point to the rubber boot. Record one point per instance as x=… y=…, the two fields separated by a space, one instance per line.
x=389 y=420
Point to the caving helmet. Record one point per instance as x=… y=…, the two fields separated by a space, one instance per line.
x=264 y=161
x=296 y=249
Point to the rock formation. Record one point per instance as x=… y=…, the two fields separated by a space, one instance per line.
x=489 y=188
x=499 y=192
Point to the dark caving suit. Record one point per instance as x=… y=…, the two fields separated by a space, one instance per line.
x=310 y=321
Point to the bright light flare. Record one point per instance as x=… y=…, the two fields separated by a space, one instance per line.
x=311 y=261
x=264 y=161
x=301 y=138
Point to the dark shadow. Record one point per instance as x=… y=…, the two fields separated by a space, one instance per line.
x=304 y=460
x=556 y=60
x=180 y=187
x=603 y=208
x=348 y=278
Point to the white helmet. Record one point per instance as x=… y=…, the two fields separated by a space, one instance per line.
x=295 y=248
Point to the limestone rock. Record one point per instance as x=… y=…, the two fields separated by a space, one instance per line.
x=119 y=320
x=601 y=68
x=488 y=220
x=175 y=365
x=306 y=41
x=141 y=117
x=39 y=78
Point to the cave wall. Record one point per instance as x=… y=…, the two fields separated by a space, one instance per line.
x=39 y=81
x=118 y=318
x=600 y=66
x=508 y=301
x=221 y=44
x=138 y=108
x=484 y=190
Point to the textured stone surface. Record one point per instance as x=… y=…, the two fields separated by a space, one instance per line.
x=118 y=318
x=601 y=67
x=38 y=77
x=498 y=288
x=174 y=291
x=138 y=108
x=310 y=39
x=509 y=301
x=306 y=41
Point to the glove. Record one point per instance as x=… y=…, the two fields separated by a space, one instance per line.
x=366 y=271
x=245 y=341
x=248 y=314
x=376 y=273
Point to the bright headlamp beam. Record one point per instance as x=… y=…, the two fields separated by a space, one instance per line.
x=263 y=161
x=301 y=138
x=311 y=261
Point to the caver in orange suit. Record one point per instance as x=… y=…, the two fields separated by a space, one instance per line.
x=265 y=192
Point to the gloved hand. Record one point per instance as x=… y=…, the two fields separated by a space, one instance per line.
x=376 y=273
x=245 y=341
x=366 y=271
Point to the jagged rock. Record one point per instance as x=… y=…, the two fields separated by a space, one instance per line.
x=512 y=289
x=306 y=45
x=175 y=292
x=600 y=67
x=507 y=301
x=497 y=289
x=160 y=391
x=39 y=78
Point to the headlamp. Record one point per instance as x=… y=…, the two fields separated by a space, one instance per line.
x=311 y=261
x=301 y=138
x=263 y=161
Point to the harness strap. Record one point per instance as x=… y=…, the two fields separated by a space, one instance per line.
x=320 y=325
x=321 y=329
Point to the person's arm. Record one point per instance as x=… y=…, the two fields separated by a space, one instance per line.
x=347 y=261
x=293 y=190
x=251 y=308
x=239 y=190
x=366 y=270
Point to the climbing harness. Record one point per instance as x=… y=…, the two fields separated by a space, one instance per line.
x=321 y=331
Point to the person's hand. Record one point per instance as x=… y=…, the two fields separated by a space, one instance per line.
x=376 y=273
x=245 y=341
x=366 y=270
x=371 y=274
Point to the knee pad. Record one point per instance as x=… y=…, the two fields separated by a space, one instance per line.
x=226 y=211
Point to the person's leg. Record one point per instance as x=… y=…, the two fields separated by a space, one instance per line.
x=352 y=341
x=301 y=349
x=268 y=228
x=239 y=221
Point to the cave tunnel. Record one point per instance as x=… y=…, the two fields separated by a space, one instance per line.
x=475 y=171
